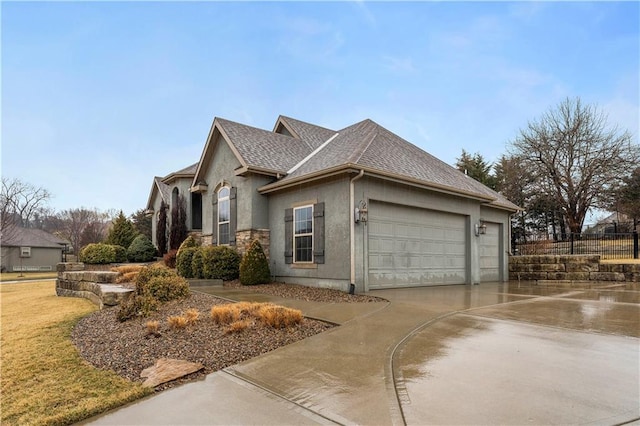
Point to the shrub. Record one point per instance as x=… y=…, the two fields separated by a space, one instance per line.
x=184 y=261
x=154 y=285
x=162 y=284
x=137 y=306
x=254 y=267
x=169 y=259
x=220 y=262
x=189 y=242
x=100 y=253
x=141 y=250
x=197 y=264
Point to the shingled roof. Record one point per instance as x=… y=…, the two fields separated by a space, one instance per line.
x=296 y=151
x=30 y=237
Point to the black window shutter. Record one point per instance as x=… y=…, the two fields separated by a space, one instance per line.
x=288 y=236
x=214 y=209
x=318 y=233
x=233 y=221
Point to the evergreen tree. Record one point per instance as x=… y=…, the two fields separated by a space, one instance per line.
x=254 y=266
x=476 y=167
x=178 y=231
x=161 y=230
x=142 y=222
x=122 y=231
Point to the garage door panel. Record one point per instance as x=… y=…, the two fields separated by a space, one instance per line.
x=415 y=247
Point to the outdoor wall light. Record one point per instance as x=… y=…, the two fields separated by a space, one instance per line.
x=360 y=213
x=481 y=228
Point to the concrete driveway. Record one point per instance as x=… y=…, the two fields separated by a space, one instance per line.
x=493 y=353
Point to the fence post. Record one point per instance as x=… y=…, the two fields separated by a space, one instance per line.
x=635 y=244
x=571 y=239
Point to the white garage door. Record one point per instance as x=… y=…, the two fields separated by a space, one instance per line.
x=490 y=254
x=411 y=247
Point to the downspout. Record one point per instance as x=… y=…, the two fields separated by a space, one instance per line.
x=352 y=208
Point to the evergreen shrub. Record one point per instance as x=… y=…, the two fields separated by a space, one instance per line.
x=220 y=262
x=254 y=267
x=141 y=250
x=197 y=264
x=100 y=253
x=189 y=242
x=184 y=261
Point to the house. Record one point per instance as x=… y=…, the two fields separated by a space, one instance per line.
x=27 y=249
x=358 y=205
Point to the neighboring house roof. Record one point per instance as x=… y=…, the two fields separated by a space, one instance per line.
x=161 y=187
x=30 y=237
x=296 y=151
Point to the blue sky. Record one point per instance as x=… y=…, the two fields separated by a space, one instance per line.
x=97 y=98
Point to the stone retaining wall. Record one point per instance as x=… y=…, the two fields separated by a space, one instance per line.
x=97 y=286
x=570 y=268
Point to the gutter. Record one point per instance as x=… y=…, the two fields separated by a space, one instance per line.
x=352 y=234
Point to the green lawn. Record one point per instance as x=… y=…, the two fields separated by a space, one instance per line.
x=44 y=380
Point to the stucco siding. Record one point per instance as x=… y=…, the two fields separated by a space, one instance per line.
x=334 y=193
x=42 y=258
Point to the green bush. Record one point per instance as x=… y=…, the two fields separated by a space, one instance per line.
x=161 y=283
x=189 y=242
x=184 y=261
x=120 y=253
x=137 y=306
x=141 y=250
x=197 y=264
x=100 y=253
x=254 y=267
x=154 y=285
x=220 y=262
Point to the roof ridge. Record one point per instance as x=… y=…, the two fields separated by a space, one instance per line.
x=312 y=154
x=373 y=137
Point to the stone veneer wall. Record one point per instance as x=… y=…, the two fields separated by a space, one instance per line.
x=570 y=268
x=244 y=239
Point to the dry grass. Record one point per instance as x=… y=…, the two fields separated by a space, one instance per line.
x=44 y=380
x=21 y=276
x=192 y=315
x=153 y=328
x=242 y=315
x=128 y=273
x=177 y=322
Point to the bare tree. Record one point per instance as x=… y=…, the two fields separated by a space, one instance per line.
x=575 y=157
x=19 y=202
x=80 y=226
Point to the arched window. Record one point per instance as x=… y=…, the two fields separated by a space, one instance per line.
x=174 y=197
x=224 y=215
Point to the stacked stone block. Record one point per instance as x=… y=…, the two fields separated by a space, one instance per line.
x=570 y=268
x=97 y=286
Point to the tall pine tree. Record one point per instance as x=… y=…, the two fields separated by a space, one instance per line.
x=161 y=229
x=122 y=231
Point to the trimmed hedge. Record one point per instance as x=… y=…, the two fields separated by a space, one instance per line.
x=220 y=262
x=197 y=264
x=189 y=242
x=100 y=253
x=254 y=267
x=141 y=250
x=184 y=261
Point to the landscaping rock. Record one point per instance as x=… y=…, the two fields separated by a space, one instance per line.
x=166 y=370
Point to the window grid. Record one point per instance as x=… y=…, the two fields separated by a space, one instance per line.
x=303 y=234
x=224 y=214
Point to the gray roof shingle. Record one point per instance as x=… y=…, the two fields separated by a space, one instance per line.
x=30 y=237
x=310 y=133
x=264 y=149
x=370 y=145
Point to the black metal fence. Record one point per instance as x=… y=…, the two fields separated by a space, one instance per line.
x=608 y=246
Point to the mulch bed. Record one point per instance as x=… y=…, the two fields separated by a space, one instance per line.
x=127 y=348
